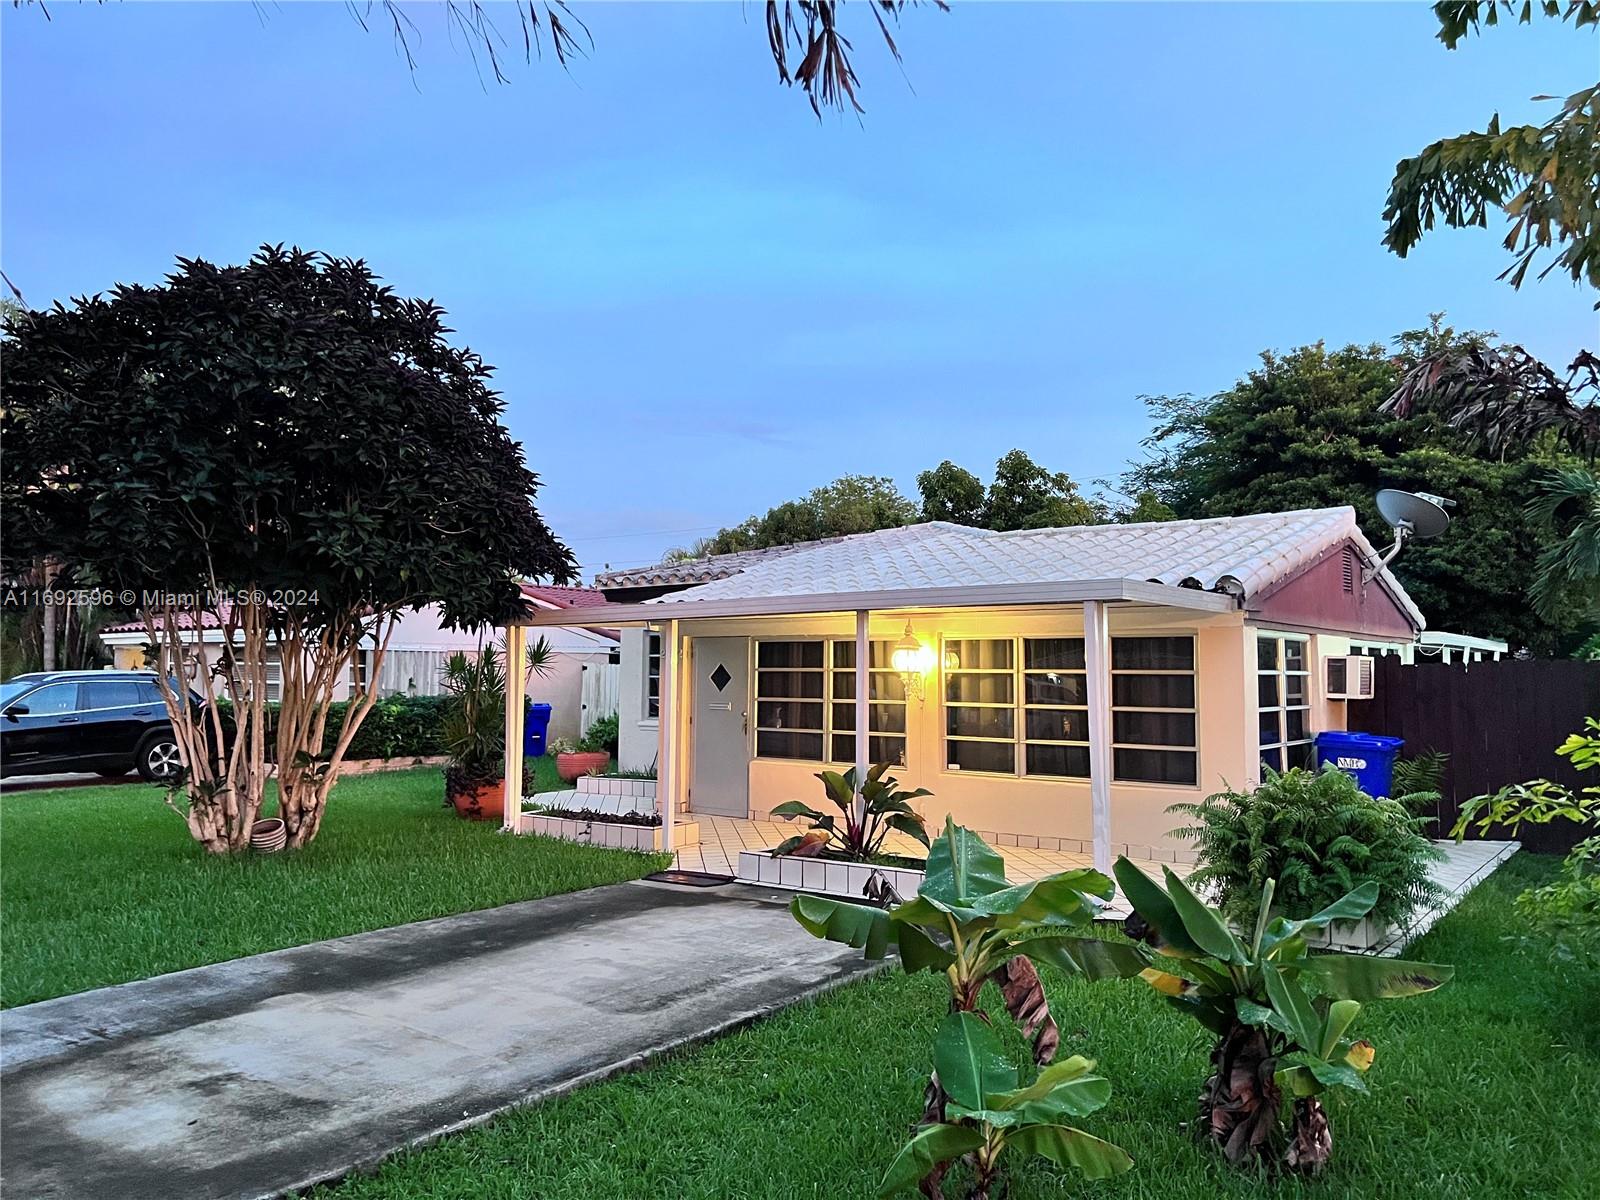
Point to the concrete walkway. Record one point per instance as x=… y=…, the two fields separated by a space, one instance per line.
x=273 y=1072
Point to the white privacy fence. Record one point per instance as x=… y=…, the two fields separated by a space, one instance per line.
x=600 y=694
x=412 y=673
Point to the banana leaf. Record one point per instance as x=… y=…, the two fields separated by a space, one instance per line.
x=930 y=1149
x=970 y=1061
x=1065 y=1146
x=1360 y=977
x=859 y=925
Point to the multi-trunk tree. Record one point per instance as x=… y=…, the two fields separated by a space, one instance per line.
x=276 y=459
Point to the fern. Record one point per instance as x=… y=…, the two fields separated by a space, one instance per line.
x=1319 y=836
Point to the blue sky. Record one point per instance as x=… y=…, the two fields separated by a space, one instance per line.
x=701 y=301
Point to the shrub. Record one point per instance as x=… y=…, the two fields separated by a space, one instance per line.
x=1319 y=836
x=602 y=734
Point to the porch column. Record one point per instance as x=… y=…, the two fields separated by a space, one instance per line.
x=516 y=693
x=1097 y=662
x=863 y=646
x=667 y=766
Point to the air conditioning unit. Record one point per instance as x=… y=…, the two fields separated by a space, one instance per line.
x=1349 y=677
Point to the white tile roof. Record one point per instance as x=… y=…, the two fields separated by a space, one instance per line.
x=1240 y=555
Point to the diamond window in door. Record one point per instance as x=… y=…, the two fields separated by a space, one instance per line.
x=720 y=678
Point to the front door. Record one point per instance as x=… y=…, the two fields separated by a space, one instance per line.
x=720 y=726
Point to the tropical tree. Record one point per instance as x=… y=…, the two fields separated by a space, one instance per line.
x=287 y=452
x=1545 y=179
x=1313 y=428
x=850 y=504
x=1281 y=1017
x=868 y=813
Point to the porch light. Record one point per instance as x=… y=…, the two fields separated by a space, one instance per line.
x=913 y=660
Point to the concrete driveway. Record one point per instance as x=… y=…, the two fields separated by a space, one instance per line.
x=277 y=1071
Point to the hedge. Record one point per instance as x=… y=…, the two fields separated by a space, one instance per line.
x=397 y=727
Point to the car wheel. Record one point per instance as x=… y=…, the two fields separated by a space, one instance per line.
x=158 y=758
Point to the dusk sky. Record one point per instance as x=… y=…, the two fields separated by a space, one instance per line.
x=702 y=301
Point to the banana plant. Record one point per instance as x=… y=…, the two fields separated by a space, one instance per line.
x=990 y=1110
x=1281 y=1016
x=870 y=811
x=969 y=923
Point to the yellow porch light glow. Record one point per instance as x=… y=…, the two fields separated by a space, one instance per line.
x=910 y=657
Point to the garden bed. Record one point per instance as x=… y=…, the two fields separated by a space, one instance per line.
x=615 y=834
x=831 y=877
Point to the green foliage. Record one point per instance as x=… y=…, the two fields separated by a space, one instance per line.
x=1569 y=907
x=1307 y=429
x=1420 y=777
x=1022 y=495
x=970 y=925
x=882 y=806
x=1567 y=575
x=951 y=493
x=1281 y=1017
x=1318 y=836
x=397 y=727
x=602 y=734
x=990 y=1109
x=474 y=731
x=850 y=504
x=1541 y=177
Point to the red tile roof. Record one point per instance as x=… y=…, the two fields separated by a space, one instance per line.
x=564 y=597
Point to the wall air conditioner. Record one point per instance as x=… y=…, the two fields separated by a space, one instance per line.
x=1349 y=677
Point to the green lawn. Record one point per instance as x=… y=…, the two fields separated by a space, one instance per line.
x=1488 y=1088
x=102 y=885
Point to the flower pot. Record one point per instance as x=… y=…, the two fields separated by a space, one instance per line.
x=269 y=835
x=581 y=762
x=486 y=802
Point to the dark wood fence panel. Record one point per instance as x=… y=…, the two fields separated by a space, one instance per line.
x=1500 y=722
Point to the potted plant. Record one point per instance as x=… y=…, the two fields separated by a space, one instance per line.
x=593 y=752
x=474 y=735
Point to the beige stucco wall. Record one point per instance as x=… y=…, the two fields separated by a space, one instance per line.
x=1226 y=723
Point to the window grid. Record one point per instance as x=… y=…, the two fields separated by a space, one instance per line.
x=1283 y=692
x=1170 y=759
x=1026 y=755
x=826 y=719
x=652 y=674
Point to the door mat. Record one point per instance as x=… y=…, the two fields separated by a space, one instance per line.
x=690 y=878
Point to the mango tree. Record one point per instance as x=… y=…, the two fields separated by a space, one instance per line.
x=1281 y=1016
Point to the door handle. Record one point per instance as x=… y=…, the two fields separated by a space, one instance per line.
x=744 y=721
x=67 y=721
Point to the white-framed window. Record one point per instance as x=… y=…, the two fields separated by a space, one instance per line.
x=886 y=699
x=1283 y=699
x=652 y=675
x=1154 y=735
x=1016 y=706
x=805 y=702
x=274 y=673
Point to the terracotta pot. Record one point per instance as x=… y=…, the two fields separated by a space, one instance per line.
x=268 y=836
x=581 y=762
x=486 y=802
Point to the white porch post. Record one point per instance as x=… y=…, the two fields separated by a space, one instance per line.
x=516 y=693
x=1097 y=662
x=863 y=758
x=667 y=765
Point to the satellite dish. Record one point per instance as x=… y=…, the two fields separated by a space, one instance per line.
x=1411 y=514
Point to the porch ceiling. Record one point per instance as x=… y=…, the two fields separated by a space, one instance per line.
x=1128 y=591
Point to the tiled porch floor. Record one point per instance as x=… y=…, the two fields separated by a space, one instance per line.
x=721 y=838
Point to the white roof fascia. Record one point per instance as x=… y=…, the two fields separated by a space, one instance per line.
x=912 y=599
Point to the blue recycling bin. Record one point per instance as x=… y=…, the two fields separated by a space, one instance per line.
x=1369 y=757
x=535 y=725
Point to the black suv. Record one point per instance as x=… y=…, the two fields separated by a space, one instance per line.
x=101 y=721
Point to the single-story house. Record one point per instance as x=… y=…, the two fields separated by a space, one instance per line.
x=419 y=647
x=1065 y=684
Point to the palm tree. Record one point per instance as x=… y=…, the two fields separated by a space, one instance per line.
x=1506 y=397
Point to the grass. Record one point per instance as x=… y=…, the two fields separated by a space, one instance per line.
x=103 y=885
x=539 y=775
x=1489 y=1088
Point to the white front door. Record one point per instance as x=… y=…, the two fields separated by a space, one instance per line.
x=721 y=726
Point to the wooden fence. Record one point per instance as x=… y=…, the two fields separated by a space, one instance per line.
x=1500 y=722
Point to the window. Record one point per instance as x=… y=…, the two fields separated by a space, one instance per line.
x=1153 y=735
x=886 y=712
x=980 y=705
x=652 y=676
x=116 y=693
x=1016 y=706
x=274 y=667
x=806 y=702
x=53 y=700
x=1283 y=688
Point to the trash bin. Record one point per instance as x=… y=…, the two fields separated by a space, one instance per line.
x=1369 y=757
x=535 y=725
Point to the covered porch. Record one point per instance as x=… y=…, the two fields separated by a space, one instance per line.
x=997 y=699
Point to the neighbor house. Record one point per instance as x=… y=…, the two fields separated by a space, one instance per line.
x=419 y=647
x=1054 y=687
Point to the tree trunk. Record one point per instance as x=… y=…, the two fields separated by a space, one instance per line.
x=47 y=619
x=1310 y=1138
x=1240 y=1104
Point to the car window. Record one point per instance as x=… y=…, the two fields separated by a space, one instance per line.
x=114 y=693
x=52 y=699
x=149 y=693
